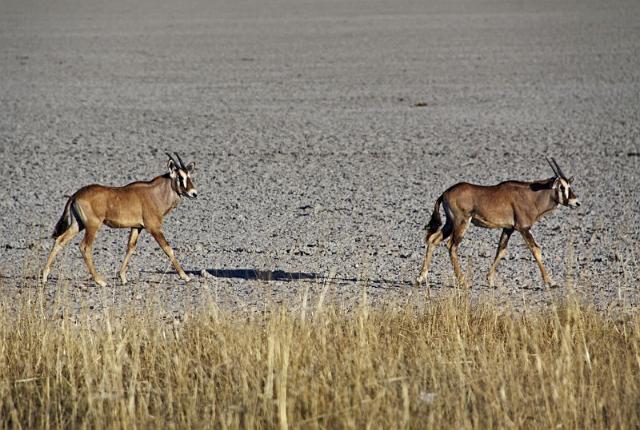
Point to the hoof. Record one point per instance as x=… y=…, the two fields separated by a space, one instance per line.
x=100 y=281
x=185 y=278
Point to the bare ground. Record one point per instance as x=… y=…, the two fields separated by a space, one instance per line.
x=323 y=132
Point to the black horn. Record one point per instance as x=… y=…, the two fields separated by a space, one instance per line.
x=553 y=167
x=560 y=172
x=182 y=165
x=173 y=159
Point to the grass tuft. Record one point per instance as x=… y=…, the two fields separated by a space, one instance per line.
x=448 y=364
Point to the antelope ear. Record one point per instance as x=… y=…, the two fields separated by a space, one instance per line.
x=570 y=180
x=172 y=169
x=191 y=167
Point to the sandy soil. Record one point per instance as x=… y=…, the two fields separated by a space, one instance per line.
x=323 y=133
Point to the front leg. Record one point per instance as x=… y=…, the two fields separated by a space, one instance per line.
x=131 y=246
x=502 y=249
x=537 y=254
x=159 y=237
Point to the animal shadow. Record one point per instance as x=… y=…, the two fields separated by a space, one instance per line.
x=261 y=275
x=283 y=276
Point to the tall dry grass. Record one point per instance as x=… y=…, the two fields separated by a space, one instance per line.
x=447 y=365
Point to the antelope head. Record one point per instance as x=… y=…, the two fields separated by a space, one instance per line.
x=564 y=194
x=181 y=176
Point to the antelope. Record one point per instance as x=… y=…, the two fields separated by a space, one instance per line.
x=139 y=205
x=510 y=205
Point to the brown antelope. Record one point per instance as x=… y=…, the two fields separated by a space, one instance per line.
x=139 y=205
x=510 y=205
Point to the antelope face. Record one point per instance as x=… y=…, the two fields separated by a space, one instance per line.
x=566 y=196
x=186 y=183
x=562 y=185
x=181 y=174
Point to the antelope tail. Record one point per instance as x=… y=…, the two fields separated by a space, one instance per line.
x=436 y=221
x=64 y=222
x=68 y=217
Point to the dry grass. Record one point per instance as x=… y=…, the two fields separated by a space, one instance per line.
x=446 y=365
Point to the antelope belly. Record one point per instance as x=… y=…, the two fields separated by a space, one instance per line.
x=482 y=222
x=121 y=223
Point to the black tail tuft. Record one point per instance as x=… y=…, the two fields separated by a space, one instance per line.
x=436 y=221
x=64 y=222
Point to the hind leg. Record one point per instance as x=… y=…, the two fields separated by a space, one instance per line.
x=458 y=232
x=60 y=243
x=433 y=240
x=86 y=247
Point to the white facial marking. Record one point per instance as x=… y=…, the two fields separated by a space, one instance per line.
x=558 y=186
x=563 y=191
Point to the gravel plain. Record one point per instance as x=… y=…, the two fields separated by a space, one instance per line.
x=323 y=132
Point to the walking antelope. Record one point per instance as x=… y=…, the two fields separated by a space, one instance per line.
x=510 y=205
x=139 y=205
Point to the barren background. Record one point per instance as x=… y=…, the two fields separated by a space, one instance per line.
x=316 y=169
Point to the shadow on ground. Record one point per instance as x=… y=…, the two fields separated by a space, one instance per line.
x=283 y=276
x=261 y=275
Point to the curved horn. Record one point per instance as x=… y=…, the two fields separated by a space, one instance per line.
x=555 y=171
x=560 y=172
x=182 y=165
x=172 y=159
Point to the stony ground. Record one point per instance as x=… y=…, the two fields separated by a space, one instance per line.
x=323 y=132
